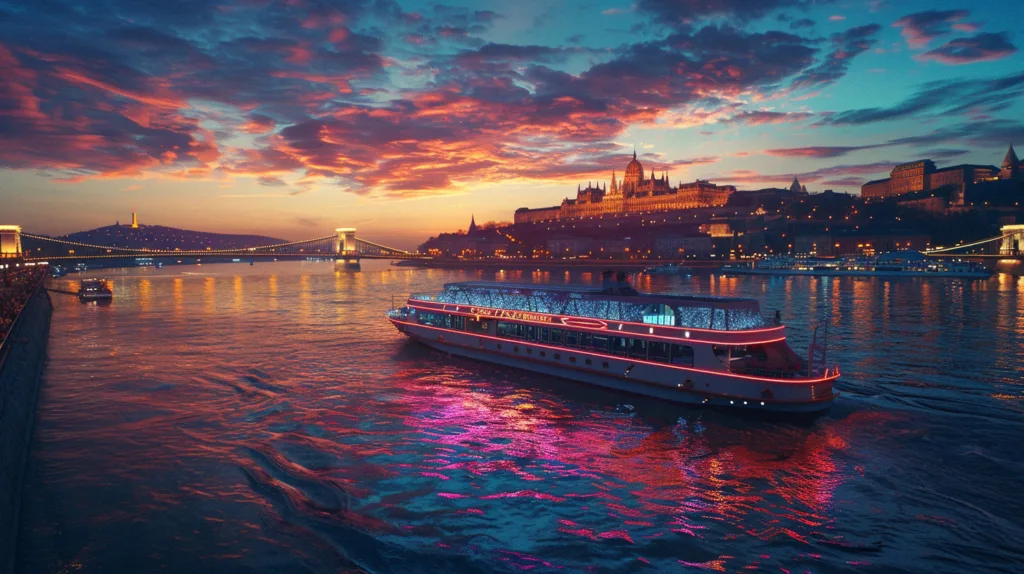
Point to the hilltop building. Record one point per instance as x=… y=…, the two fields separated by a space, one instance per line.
x=475 y=242
x=635 y=193
x=922 y=175
x=135 y=221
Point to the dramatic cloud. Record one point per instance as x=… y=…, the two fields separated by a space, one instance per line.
x=817 y=151
x=980 y=48
x=845 y=47
x=407 y=100
x=757 y=117
x=921 y=28
x=678 y=11
x=271 y=181
x=839 y=175
x=956 y=97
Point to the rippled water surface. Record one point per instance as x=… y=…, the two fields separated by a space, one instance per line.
x=229 y=418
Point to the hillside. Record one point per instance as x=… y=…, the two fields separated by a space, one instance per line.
x=160 y=237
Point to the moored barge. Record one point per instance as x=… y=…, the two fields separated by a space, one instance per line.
x=703 y=350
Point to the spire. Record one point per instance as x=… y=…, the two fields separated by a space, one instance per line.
x=795 y=188
x=1010 y=161
x=634 y=152
x=472 y=224
x=135 y=220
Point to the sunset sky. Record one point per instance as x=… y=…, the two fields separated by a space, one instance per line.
x=403 y=118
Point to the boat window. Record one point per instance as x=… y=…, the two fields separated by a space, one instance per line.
x=586 y=340
x=476 y=325
x=506 y=329
x=682 y=355
x=718 y=323
x=659 y=351
x=605 y=364
x=658 y=314
x=638 y=348
x=572 y=338
x=589 y=362
x=750 y=351
x=619 y=346
x=557 y=336
x=600 y=343
x=531 y=333
x=721 y=352
x=696 y=317
x=544 y=333
x=742 y=319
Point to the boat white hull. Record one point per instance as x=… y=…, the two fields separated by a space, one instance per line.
x=686 y=386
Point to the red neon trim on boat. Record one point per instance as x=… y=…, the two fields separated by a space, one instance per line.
x=826 y=378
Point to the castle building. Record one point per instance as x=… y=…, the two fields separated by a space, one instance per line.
x=923 y=175
x=636 y=193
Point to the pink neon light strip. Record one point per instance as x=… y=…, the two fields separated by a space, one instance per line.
x=826 y=378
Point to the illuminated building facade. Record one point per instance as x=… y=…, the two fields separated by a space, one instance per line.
x=924 y=176
x=635 y=193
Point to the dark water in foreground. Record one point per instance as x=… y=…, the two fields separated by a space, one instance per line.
x=230 y=418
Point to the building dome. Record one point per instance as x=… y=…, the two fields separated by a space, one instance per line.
x=634 y=175
x=634 y=169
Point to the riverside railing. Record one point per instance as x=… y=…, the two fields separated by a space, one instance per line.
x=6 y=344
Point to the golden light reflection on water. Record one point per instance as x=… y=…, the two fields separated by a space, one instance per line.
x=145 y=295
x=178 y=293
x=239 y=292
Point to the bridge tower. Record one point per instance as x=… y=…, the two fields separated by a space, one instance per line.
x=346 y=254
x=1013 y=240
x=10 y=241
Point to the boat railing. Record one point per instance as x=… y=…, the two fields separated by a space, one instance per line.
x=424 y=296
x=774 y=374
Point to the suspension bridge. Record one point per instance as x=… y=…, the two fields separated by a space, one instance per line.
x=1008 y=245
x=342 y=246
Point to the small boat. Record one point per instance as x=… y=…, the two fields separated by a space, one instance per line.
x=81 y=267
x=668 y=269
x=693 y=349
x=95 y=290
x=159 y=264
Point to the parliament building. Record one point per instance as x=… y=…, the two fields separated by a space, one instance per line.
x=636 y=193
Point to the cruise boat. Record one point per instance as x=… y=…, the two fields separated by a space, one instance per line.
x=669 y=269
x=703 y=350
x=94 y=290
x=892 y=264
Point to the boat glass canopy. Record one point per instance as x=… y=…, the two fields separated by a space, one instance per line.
x=693 y=311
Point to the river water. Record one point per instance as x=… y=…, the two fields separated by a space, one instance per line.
x=267 y=418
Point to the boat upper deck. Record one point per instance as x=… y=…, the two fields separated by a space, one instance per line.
x=616 y=303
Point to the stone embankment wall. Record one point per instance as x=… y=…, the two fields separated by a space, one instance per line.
x=21 y=368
